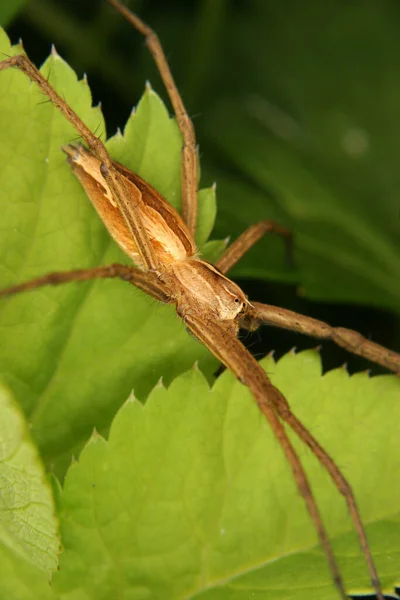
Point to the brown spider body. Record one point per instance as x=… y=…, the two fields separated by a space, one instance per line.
x=165 y=228
x=192 y=284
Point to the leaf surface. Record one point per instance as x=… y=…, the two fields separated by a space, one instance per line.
x=191 y=496
x=29 y=540
x=309 y=121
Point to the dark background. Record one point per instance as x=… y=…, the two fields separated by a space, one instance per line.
x=226 y=55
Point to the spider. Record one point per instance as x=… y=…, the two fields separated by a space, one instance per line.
x=170 y=270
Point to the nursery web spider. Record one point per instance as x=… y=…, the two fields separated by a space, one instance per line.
x=213 y=308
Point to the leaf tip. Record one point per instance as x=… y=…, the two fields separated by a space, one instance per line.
x=95 y=437
x=131 y=399
x=159 y=384
x=344 y=367
x=54 y=52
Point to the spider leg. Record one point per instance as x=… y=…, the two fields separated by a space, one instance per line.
x=147 y=282
x=235 y=356
x=108 y=170
x=283 y=409
x=189 y=153
x=248 y=238
x=346 y=338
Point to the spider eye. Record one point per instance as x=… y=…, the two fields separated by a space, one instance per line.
x=237 y=300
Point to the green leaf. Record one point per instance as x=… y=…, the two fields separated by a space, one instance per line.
x=73 y=354
x=213 y=250
x=29 y=541
x=20 y=580
x=192 y=497
x=309 y=124
x=204 y=227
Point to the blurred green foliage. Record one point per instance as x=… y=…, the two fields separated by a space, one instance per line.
x=9 y=9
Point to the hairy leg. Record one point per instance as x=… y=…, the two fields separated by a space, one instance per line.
x=189 y=153
x=147 y=282
x=283 y=409
x=235 y=356
x=346 y=338
x=248 y=238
